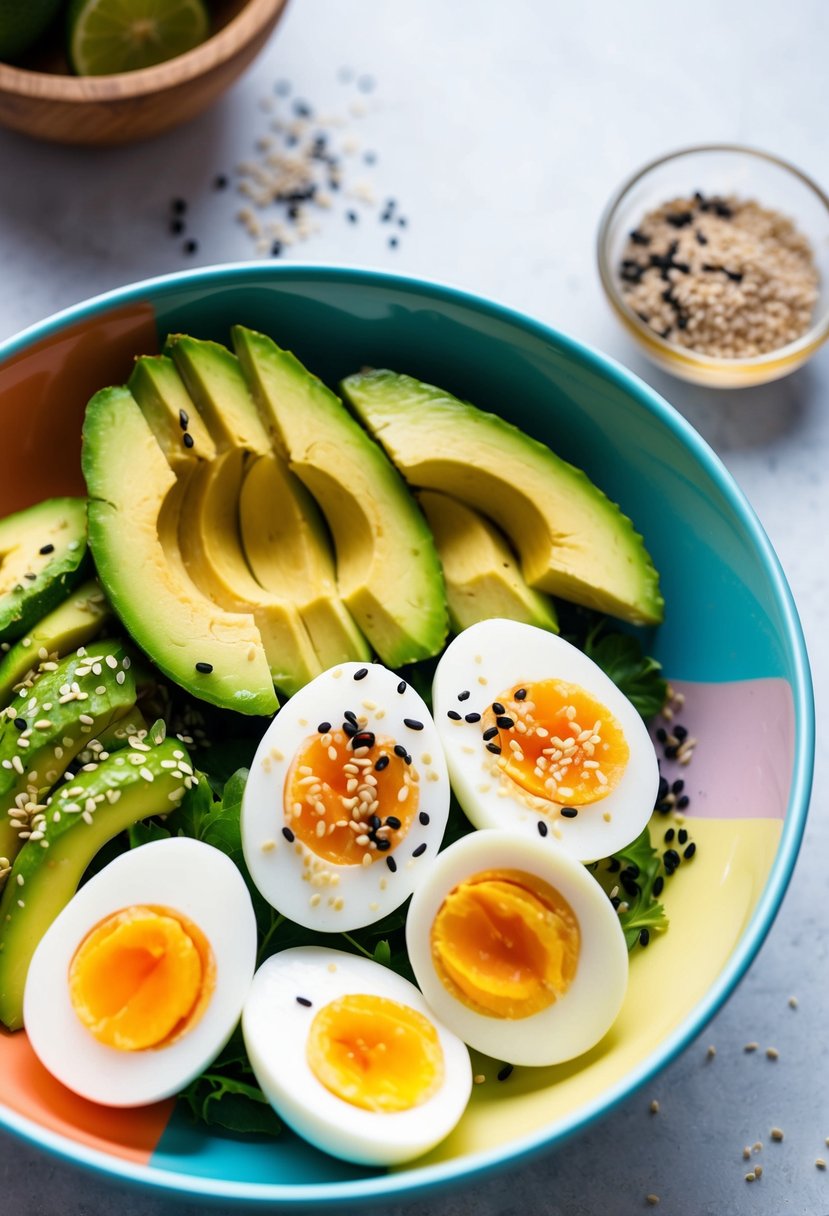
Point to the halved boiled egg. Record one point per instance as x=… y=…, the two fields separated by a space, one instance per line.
x=539 y=740
x=352 y=1058
x=139 y=982
x=347 y=799
x=517 y=949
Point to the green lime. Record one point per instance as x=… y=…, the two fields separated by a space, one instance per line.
x=108 y=36
x=21 y=24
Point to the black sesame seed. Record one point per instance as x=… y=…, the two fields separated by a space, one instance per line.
x=472 y=718
x=382 y=763
x=569 y=812
x=542 y=827
x=349 y=729
x=399 y=750
x=640 y=238
x=671 y=858
x=187 y=439
x=420 y=850
x=361 y=674
x=494 y=748
x=392 y=864
x=393 y=242
x=276 y=249
x=177 y=227
x=401 y=687
x=644 y=937
x=671 y=752
x=350 y=716
x=690 y=851
x=303 y=1000
x=402 y=222
x=302 y=109
x=678 y=786
x=413 y=724
x=20 y=723
x=351 y=216
x=681 y=733
x=44 y=549
x=631 y=887
x=682 y=802
x=30 y=575
x=489 y=733
x=375 y=822
x=324 y=728
x=221 y=181
x=669 y=835
x=497 y=708
x=178 y=206
x=191 y=246
x=454 y=715
x=204 y=668
x=183 y=419
x=520 y=694
x=363 y=738
x=658 y=884
x=465 y=695
x=383 y=844
x=505 y=1072
x=614 y=865
x=682 y=836
x=632 y=869
x=504 y=722
x=615 y=901
x=407 y=759
x=661 y=734
x=288 y=834
x=424 y=818
x=393 y=822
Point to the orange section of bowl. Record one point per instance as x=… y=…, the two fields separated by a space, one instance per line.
x=29 y=1090
x=49 y=385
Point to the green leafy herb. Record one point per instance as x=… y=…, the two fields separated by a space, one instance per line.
x=640 y=862
x=227 y=1095
x=639 y=677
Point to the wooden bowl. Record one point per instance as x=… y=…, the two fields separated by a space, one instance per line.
x=43 y=100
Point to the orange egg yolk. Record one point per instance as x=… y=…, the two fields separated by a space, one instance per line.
x=375 y=1053
x=505 y=943
x=557 y=742
x=142 y=978
x=350 y=805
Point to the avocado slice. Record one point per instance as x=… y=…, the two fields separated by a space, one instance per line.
x=42 y=552
x=48 y=724
x=573 y=541
x=483 y=579
x=212 y=554
x=388 y=571
x=73 y=623
x=215 y=382
x=288 y=549
x=131 y=784
x=133 y=534
x=165 y=403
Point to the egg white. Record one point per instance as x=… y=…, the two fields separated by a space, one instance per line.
x=577 y=1020
x=338 y=898
x=496 y=655
x=188 y=877
x=276 y=1027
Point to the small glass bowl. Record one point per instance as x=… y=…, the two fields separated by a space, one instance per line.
x=718 y=169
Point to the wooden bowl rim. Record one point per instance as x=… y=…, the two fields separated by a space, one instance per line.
x=216 y=50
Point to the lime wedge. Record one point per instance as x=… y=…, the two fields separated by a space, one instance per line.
x=108 y=36
x=21 y=24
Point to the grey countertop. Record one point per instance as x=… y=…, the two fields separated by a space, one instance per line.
x=500 y=132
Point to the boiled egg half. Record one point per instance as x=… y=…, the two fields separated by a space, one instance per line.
x=352 y=1058
x=347 y=799
x=517 y=949
x=539 y=740
x=139 y=982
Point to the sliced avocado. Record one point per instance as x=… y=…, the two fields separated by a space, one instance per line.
x=159 y=389
x=215 y=382
x=133 y=534
x=573 y=541
x=483 y=579
x=288 y=549
x=387 y=569
x=73 y=623
x=212 y=553
x=75 y=823
x=42 y=552
x=48 y=724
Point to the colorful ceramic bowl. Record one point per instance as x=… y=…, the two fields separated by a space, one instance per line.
x=731 y=642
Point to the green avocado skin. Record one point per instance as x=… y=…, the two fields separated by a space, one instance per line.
x=73 y=623
x=42 y=730
x=48 y=577
x=76 y=823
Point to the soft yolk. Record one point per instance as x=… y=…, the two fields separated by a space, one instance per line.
x=563 y=744
x=141 y=978
x=350 y=805
x=375 y=1053
x=506 y=943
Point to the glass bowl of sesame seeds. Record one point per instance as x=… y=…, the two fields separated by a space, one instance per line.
x=716 y=259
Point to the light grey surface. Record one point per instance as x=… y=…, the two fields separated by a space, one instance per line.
x=501 y=129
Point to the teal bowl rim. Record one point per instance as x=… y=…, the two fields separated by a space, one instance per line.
x=409 y=1183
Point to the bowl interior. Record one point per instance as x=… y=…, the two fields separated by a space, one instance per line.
x=731 y=643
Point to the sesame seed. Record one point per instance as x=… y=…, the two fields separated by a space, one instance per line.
x=654 y=1107
x=420 y=850
x=751 y=1047
x=750 y=1176
x=505 y=1072
x=820 y=1163
x=776 y=1134
x=303 y=1000
x=288 y=834
x=465 y=695
x=652 y=1199
x=424 y=818
x=392 y=864
x=401 y=687
x=361 y=674
x=413 y=724
x=454 y=715
x=473 y=717
x=772 y=1053
x=498 y=708
x=324 y=728
x=383 y=762
x=711 y=1051
x=569 y=812
x=204 y=668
